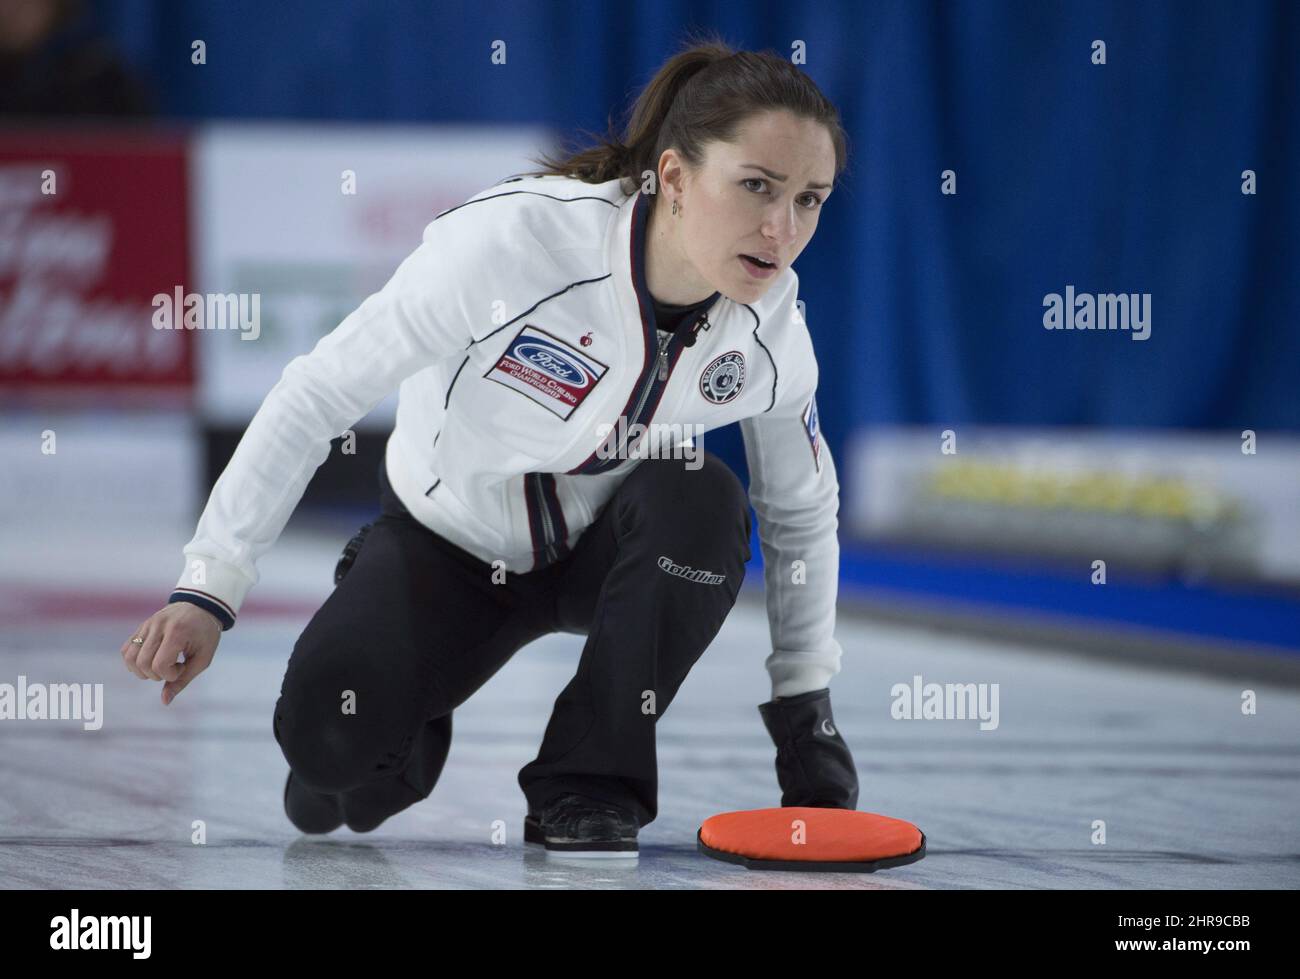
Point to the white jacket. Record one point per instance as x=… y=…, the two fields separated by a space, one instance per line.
x=517 y=328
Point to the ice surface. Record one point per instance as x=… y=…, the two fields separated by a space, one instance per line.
x=1193 y=793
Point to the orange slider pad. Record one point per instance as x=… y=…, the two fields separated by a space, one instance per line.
x=811 y=839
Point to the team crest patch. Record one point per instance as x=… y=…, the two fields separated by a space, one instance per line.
x=545 y=369
x=722 y=380
x=814 y=431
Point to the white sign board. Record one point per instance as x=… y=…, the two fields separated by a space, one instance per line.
x=312 y=220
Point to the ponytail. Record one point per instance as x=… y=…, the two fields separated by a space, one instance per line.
x=703 y=93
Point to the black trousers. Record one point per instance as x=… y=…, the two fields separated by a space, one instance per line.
x=417 y=625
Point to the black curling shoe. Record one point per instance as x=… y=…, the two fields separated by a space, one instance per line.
x=310 y=811
x=576 y=826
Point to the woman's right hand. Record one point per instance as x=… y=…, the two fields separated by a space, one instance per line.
x=181 y=627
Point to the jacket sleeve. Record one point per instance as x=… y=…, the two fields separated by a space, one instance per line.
x=795 y=493
x=419 y=317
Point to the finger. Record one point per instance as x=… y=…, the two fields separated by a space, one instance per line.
x=129 y=646
x=133 y=647
x=170 y=647
x=129 y=660
x=189 y=670
x=144 y=658
x=131 y=650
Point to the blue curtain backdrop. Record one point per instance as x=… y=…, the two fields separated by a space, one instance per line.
x=925 y=308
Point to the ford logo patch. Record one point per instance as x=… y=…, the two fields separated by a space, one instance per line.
x=548 y=359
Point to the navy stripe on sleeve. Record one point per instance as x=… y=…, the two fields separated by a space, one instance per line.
x=209 y=603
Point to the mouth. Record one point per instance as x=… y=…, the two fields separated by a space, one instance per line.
x=757 y=267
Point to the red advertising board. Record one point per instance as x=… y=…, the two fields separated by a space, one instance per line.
x=93 y=225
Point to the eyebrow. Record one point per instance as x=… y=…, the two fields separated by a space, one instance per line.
x=781 y=177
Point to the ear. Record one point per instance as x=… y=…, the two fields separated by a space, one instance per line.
x=672 y=172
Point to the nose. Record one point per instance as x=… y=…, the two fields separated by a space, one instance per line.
x=780 y=225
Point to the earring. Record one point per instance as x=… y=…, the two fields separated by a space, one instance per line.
x=674 y=207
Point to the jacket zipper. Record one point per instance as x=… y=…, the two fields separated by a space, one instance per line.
x=548 y=531
x=663 y=355
x=661 y=359
x=664 y=340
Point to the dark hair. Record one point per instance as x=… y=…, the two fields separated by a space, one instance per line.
x=703 y=93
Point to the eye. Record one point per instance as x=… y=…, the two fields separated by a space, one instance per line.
x=816 y=201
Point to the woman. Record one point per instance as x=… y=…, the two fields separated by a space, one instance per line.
x=537 y=328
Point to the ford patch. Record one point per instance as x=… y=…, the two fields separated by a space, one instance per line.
x=545 y=369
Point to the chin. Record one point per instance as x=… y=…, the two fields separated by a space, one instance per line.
x=750 y=292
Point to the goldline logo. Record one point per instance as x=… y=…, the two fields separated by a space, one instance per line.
x=691 y=574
